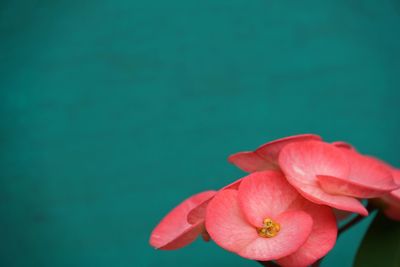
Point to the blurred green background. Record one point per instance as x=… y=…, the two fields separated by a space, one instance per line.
x=114 y=111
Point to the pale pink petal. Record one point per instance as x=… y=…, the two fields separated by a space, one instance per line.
x=295 y=228
x=301 y=162
x=249 y=161
x=321 y=240
x=369 y=177
x=395 y=171
x=265 y=157
x=225 y=222
x=199 y=212
x=340 y=186
x=345 y=203
x=265 y=195
x=182 y=239
x=396 y=175
x=270 y=151
x=392 y=199
x=174 y=231
x=304 y=160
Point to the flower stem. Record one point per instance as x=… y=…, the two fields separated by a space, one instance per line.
x=268 y=264
x=356 y=220
x=351 y=224
x=317 y=263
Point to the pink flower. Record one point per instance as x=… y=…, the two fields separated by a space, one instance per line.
x=330 y=174
x=334 y=176
x=266 y=156
x=266 y=219
x=175 y=231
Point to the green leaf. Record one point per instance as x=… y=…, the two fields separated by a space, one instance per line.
x=381 y=244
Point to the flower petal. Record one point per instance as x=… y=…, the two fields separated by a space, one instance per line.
x=234 y=185
x=265 y=157
x=265 y=195
x=225 y=222
x=249 y=161
x=335 y=185
x=319 y=196
x=322 y=238
x=270 y=151
x=395 y=194
x=295 y=228
x=199 y=212
x=184 y=238
x=174 y=231
x=374 y=177
x=393 y=198
x=301 y=162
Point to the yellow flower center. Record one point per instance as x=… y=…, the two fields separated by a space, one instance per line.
x=269 y=229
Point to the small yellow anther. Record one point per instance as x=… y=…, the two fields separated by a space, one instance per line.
x=269 y=229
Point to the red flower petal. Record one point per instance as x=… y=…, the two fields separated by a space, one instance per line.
x=174 y=231
x=266 y=156
x=303 y=161
x=226 y=224
x=321 y=240
x=265 y=195
x=295 y=228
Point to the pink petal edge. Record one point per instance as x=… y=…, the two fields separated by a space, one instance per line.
x=225 y=222
x=265 y=195
x=340 y=186
x=295 y=229
x=174 y=231
x=322 y=238
x=199 y=212
x=265 y=157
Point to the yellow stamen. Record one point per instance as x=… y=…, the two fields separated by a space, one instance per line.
x=269 y=229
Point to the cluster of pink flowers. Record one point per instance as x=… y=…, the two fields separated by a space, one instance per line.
x=284 y=210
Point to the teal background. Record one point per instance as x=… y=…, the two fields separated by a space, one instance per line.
x=112 y=112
